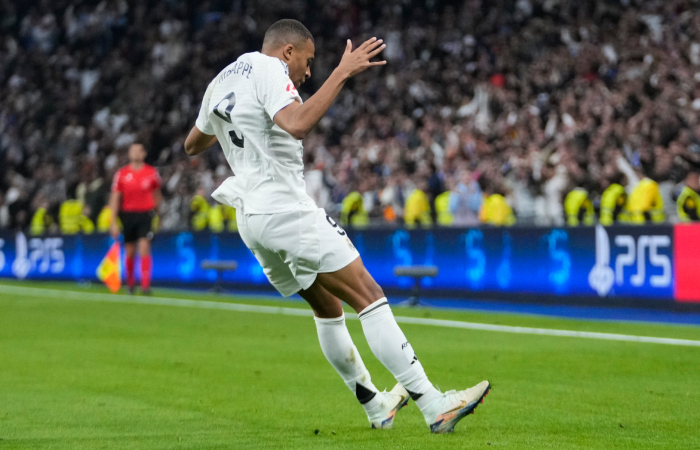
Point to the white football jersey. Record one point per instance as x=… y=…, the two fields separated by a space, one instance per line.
x=239 y=107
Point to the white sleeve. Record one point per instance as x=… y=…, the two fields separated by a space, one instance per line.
x=203 y=123
x=275 y=89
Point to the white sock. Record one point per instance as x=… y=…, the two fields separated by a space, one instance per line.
x=392 y=349
x=340 y=351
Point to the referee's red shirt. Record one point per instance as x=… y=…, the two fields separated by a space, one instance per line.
x=136 y=187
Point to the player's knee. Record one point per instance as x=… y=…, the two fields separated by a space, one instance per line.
x=144 y=248
x=376 y=291
x=327 y=310
x=373 y=291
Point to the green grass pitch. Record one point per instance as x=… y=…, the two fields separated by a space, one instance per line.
x=77 y=374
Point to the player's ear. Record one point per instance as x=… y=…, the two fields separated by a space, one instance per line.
x=287 y=51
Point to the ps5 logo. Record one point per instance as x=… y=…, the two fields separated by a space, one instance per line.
x=21 y=265
x=602 y=276
x=41 y=255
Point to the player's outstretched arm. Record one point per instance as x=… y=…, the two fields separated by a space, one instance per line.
x=299 y=119
x=197 y=141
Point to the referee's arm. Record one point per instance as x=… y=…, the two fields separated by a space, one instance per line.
x=157 y=199
x=114 y=201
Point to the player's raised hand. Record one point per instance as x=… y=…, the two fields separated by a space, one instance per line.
x=358 y=60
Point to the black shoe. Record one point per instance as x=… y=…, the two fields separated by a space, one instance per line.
x=132 y=290
x=146 y=291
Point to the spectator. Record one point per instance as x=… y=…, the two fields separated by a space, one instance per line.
x=535 y=95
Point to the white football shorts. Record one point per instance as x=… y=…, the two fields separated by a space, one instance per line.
x=293 y=247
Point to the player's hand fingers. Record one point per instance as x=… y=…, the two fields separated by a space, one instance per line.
x=373 y=45
x=348 y=47
x=366 y=43
x=378 y=63
x=376 y=51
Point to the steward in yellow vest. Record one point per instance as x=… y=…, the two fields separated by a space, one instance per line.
x=417 y=210
x=104 y=220
x=71 y=219
x=579 y=208
x=442 y=208
x=230 y=217
x=612 y=205
x=645 y=203
x=215 y=218
x=352 y=211
x=496 y=211
x=200 y=207
x=40 y=222
x=688 y=205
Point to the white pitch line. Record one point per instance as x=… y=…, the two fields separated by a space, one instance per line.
x=85 y=296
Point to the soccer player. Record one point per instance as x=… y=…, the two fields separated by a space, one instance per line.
x=134 y=199
x=253 y=109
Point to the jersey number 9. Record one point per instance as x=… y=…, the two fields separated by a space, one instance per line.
x=223 y=111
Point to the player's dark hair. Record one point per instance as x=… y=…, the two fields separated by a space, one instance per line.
x=286 y=31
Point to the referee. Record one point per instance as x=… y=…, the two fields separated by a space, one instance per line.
x=134 y=199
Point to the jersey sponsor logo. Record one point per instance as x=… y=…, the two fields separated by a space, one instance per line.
x=291 y=88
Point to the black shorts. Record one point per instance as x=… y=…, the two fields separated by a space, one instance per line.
x=137 y=225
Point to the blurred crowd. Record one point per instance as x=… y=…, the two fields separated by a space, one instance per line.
x=487 y=111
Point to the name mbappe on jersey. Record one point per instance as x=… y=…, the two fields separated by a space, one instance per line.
x=238 y=68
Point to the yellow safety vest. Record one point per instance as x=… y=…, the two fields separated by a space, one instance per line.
x=215 y=218
x=578 y=208
x=645 y=203
x=352 y=211
x=688 y=205
x=612 y=205
x=104 y=220
x=417 y=210
x=38 y=225
x=496 y=211
x=200 y=207
x=71 y=219
x=69 y=216
x=86 y=225
x=230 y=216
x=442 y=208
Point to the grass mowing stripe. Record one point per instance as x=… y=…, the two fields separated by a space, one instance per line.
x=117 y=298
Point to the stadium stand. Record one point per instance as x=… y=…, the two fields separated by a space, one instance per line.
x=533 y=97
